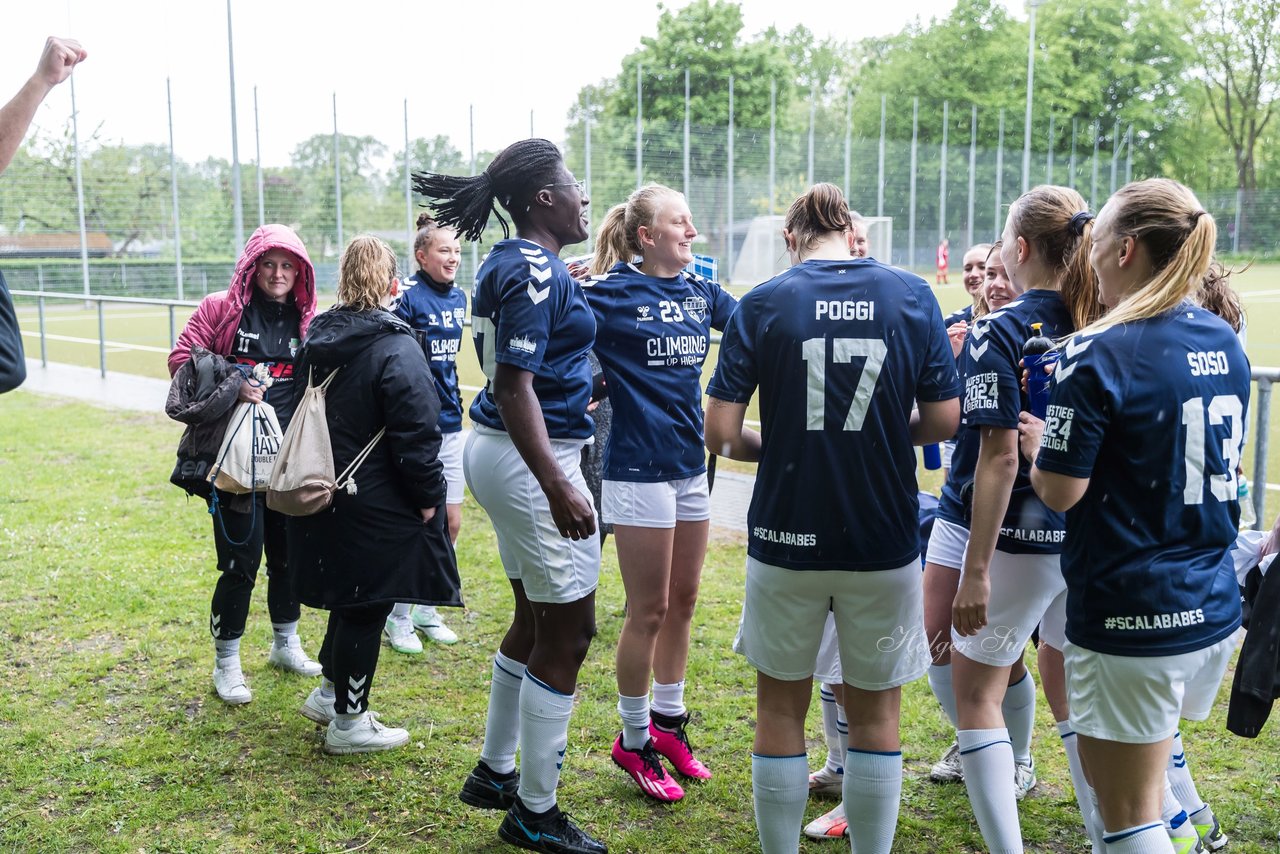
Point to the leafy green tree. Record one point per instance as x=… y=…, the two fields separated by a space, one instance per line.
x=1239 y=47
x=1141 y=78
x=362 y=186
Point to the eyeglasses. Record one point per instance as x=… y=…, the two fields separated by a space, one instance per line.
x=582 y=187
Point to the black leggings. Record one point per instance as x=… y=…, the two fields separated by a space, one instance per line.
x=349 y=654
x=238 y=567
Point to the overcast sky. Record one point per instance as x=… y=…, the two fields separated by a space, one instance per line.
x=505 y=57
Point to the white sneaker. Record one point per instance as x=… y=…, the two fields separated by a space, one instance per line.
x=292 y=658
x=367 y=736
x=826 y=782
x=1024 y=778
x=228 y=681
x=832 y=825
x=427 y=620
x=948 y=769
x=318 y=707
x=400 y=635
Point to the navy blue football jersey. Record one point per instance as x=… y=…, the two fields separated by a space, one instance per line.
x=993 y=397
x=652 y=336
x=965 y=314
x=528 y=312
x=438 y=316
x=840 y=350
x=1153 y=413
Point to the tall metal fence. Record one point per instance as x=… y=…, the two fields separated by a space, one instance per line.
x=133 y=218
x=1264 y=378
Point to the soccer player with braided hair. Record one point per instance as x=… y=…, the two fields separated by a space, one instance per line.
x=532 y=329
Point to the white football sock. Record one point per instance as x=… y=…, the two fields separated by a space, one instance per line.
x=831 y=730
x=1019 y=709
x=1184 y=787
x=502 y=726
x=1078 y=782
x=634 y=712
x=780 y=786
x=544 y=736
x=940 y=684
x=668 y=698
x=1094 y=824
x=872 y=792
x=987 y=759
x=1142 y=839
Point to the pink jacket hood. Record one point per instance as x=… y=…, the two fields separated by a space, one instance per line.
x=262 y=241
x=214 y=323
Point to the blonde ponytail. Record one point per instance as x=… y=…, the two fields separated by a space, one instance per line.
x=618 y=238
x=1178 y=234
x=612 y=244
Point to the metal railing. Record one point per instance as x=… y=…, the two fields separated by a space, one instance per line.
x=1264 y=377
x=101 y=301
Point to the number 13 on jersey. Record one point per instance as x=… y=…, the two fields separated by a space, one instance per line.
x=1221 y=409
x=843 y=352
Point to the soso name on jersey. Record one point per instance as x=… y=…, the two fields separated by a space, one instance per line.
x=785 y=537
x=980 y=391
x=1033 y=535
x=1057 y=427
x=1153 y=621
x=844 y=310
x=1208 y=364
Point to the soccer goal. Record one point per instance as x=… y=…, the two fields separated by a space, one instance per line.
x=764 y=255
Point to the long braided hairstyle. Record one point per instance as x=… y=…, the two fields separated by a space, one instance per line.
x=464 y=203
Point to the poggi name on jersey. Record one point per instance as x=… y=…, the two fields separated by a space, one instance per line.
x=844 y=310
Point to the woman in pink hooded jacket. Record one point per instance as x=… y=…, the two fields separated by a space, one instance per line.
x=259 y=319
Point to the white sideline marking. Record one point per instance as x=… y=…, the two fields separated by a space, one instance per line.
x=116 y=346
x=58 y=317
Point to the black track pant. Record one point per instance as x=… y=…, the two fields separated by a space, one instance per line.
x=349 y=654
x=260 y=530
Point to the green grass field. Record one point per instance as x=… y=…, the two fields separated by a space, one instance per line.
x=139 y=340
x=111 y=739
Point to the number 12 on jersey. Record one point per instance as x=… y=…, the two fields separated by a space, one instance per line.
x=843 y=351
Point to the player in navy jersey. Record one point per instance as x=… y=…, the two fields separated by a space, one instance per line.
x=532 y=331
x=1155 y=392
x=991 y=526
x=973 y=277
x=437 y=310
x=829 y=779
x=840 y=349
x=653 y=325
x=1188 y=818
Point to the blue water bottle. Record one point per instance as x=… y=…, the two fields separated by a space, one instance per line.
x=932 y=456
x=1036 y=353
